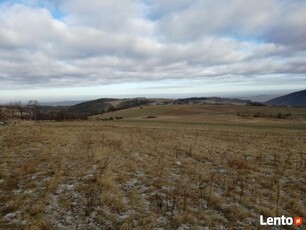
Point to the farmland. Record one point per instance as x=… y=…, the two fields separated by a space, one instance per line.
x=186 y=167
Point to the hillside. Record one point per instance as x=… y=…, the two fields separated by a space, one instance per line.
x=103 y=105
x=193 y=114
x=88 y=108
x=212 y=100
x=292 y=99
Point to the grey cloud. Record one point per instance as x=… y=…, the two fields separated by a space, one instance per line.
x=290 y=29
x=275 y=21
x=116 y=42
x=202 y=18
x=115 y=15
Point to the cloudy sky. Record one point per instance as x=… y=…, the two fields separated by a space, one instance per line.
x=73 y=49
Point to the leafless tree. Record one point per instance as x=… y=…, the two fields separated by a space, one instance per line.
x=33 y=109
x=16 y=106
x=20 y=108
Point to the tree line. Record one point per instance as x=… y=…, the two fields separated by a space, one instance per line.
x=34 y=111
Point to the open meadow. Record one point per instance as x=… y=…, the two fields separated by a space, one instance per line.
x=157 y=167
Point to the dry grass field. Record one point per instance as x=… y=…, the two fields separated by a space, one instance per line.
x=190 y=168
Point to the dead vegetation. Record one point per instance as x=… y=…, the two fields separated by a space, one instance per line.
x=92 y=175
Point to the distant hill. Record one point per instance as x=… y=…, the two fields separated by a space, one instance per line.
x=212 y=100
x=292 y=99
x=103 y=105
x=260 y=98
x=89 y=108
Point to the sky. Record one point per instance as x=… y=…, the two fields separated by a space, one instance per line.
x=82 y=49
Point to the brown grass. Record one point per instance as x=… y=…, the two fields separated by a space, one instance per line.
x=97 y=175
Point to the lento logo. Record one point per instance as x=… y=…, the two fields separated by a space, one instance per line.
x=298 y=221
x=279 y=221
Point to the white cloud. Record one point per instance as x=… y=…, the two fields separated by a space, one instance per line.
x=104 y=42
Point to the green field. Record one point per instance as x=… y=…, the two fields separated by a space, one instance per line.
x=197 y=115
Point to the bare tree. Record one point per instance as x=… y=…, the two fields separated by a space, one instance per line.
x=20 y=108
x=33 y=109
x=2 y=116
x=13 y=106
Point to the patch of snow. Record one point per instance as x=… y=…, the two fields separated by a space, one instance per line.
x=12 y=215
x=17 y=191
x=162 y=220
x=130 y=184
x=184 y=227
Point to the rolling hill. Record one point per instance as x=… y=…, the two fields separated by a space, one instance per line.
x=103 y=105
x=292 y=99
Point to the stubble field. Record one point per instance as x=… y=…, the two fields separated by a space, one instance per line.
x=142 y=174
